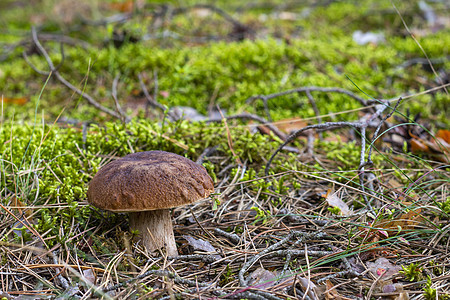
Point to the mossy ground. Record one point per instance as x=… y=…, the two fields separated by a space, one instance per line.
x=52 y=141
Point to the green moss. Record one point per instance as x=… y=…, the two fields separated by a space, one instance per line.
x=236 y=71
x=51 y=165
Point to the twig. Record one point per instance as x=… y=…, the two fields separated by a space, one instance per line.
x=336 y=275
x=285 y=267
x=293 y=252
x=231 y=236
x=150 y=100
x=160 y=273
x=229 y=139
x=266 y=98
x=297 y=219
x=54 y=71
x=155 y=86
x=312 y=102
x=420 y=46
x=207 y=152
x=423 y=61
x=236 y=24
x=361 y=125
x=206 y=258
x=62 y=280
x=349 y=271
x=45 y=37
x=264 y=122
x=364 y=162
x=375 y=134
x=275 y=246
x=116 y=101
x=318 y=127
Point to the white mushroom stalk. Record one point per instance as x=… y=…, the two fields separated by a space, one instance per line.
x=155 y=229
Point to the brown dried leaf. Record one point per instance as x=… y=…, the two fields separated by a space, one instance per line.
x=286 y=126
x=17 y=101
x=418 y=146
x=290 y=125
x=438 y=146
x=124 y=7
x=407 y=221
x=331 y=292
x=444 y=135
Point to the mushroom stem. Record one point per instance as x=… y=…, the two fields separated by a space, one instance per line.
x=155 y=228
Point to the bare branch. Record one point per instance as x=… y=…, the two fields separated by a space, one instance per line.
x=248 y=116
x=124 y=117
x=54 y=71
x=151 y=100
x=313 y=89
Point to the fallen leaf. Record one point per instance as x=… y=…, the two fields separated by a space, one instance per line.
x=17 y=101
x=334 y=200
x=383 y=267
x=200 y=244
x=185 y=113
x=356 y=265
x=395 y=184
x=286 y=126
x=17 y=203
x=89 y=276
x=438 y=146
x=122 y=7
x=444 y=134
x=202 y=12
x=311 y=287
x=262 y=278
x=287 y=15
x=69 y=11
x=331 y=292
x=290 y=125
x=404 y=222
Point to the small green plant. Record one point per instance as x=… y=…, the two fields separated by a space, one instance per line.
x=445 y=206
x=413 y=272
x=216 y=201
x=261 y=215
x=226 y=276
x=435 y=268
x=134 y=232
x=334 y=210
x=146 y=288
x=238 y=230
x=22 y=235
x=430 y=293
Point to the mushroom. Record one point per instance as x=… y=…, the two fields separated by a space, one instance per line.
x=147 y=185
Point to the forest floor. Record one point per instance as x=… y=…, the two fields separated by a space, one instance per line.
x=323 y=124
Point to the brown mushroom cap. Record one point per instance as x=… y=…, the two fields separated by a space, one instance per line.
x=150 y=180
